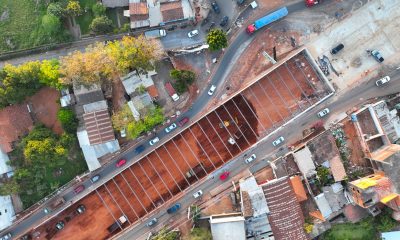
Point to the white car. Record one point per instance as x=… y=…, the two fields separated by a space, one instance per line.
x=198 y=194
x=250 y=159
x=123 y=132
x=323 y=112
x=193 y=33
x=382 y=81
x=212 y=90
x=278 y=141
x=154 y=141
x=170 y=128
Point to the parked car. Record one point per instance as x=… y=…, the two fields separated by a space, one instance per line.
x=278 y=141
x=240 y=2
x=152 y=222
x=174 y=208
x=79 y=189
x=95 y=178
x=224 y=176
x=6 y=237
x=250 y=159
x=377 y=55
x=382 y=81
x=323 y=112
x=60 y=225
x=123 y=132
x=45 y=210
x=212 y=25
x=337 y=48
x=154 y=141
x=81 y=209
x=211 y=90
x=215 y=7
x=224 y=21
x=193 y=33
x=183 y=121
x=170 y=128
x=198 y=194
x=139 y=149
x=120 y=163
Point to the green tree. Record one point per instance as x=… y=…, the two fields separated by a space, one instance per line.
x=384 y=222
x=141 y=89
x=134 y=54
x=323 y=175
x=68 y=120
x=73 y=8
x=56 y=9
x=200 y=234
x=9 y=187
x=51 y=25
x=101 y=25
x=216 y=39
x=183 y=79
x=50 y=74
x=98 y=9
x=165 y=234
x=122 y=118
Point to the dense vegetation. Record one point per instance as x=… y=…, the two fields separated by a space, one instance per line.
x=183 y=79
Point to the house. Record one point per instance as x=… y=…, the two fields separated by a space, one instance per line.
x=285 y=215
x=303 y=158
x=139 y=105
x=133 y=81
x=171 y=11
x=115 y=3
x=227 y=226
x=15 y=122
x=138 y=14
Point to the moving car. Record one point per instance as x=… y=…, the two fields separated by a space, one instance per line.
x=120 y=163
x=152 y=222
x=174 y=208
x=198 y=194
x=224 y=21
x=382 y=81
x=81 y=209
x=95 y=178
x=170 y=128
x=323 y=112
x=60 y=225
x=139 y=149
x=250 y=159
x=183 y=121
x=79 y=189
x=193 y=33
x=278 y=141
x=212 y=90
x=224 y=176
x=215 y=7
x=154 y=141
x=337 y=48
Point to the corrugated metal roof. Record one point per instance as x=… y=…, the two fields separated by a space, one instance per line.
x=323 y=205
x=337 y=169
x=98 y=126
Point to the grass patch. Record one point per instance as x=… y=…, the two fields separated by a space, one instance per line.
x=24 y=18
x=349 y=231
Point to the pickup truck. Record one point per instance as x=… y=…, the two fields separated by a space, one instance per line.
x=158 y=33
x=171 y=91
x=117 y=224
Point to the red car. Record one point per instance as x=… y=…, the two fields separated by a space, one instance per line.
x=79 y=189
x=183 y=121
x=224 y=176
x=120 y=163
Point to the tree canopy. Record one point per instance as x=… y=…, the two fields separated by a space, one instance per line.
x=148 y=122
x=68 y=120
x=101 y=25
x=183 y=79
x=73 y=8
x=216 y=39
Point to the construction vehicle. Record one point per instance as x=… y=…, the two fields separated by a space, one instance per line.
x=272 y=17
x=117 y=224
x=310 y=3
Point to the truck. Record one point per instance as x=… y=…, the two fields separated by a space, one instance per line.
x=117 y=224
x=310 y=3
x=272 y=17
x=171 y=91
x=157 y=33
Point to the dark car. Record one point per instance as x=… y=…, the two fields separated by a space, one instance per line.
x=174 y=208
x=240 y=2
x=182 y=122
x=224 y=21
x=337 y=48
x=79 y=189
x=139 y=149
x=81 y=209
x=377 y=55
x=215 y=7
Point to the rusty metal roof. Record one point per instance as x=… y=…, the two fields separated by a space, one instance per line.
x=98 y=126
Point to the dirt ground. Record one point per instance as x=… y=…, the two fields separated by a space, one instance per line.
x=224 y=205
x=264 y=175
x=356 y=155
x=45 y=108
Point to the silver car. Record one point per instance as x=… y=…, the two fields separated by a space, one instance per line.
x=278 y=141
x=152 y=222
x=382 y=81
x=250 y=159
x=323 y=112
x=170 y=128
x=212 y=90
x=198 y=194
x=154 y=141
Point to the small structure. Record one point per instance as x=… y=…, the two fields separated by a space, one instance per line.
x=115 y=3
x=285 y=217
x=304 y=161
x=228 y=226
x=138 y=14
x=323 y=205
x=67 y=98
x=7 y=214
x=134 y=81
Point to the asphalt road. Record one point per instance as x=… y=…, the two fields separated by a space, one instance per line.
x=109 y=171
x=264 y=149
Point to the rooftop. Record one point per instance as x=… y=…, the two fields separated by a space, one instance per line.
x=337 y=169
x=139 y=8
x=384 y=154
x=304 y=161
x=98 y=124
x=323 y=205
x=285 y=166
x=256 y=194
x=285 y=217
x=4 y=167
x=298 y=188
x=7 y=214
x=115 y=3
x=15 y=121
x=323 y=148
x=171 y=11
x=227 y=226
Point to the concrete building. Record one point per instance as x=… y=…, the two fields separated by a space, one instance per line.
x=228 y=226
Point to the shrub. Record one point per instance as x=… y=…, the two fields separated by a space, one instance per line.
x=101 y=25
x=68 y=120
x=98 y=9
